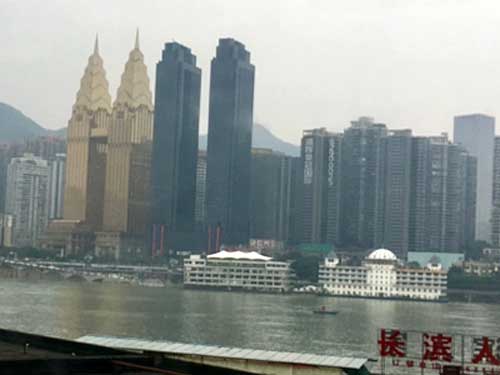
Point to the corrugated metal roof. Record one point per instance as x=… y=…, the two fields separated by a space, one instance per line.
x=220 y=351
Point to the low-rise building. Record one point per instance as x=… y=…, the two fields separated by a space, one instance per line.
x=382 y=275
x=70 y=237
x=6 y=230
x=237 y=270
x=481 y=268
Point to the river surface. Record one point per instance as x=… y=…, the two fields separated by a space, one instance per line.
x=262 y=321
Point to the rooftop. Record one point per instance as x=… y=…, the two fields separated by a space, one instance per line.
x=238 y=255
x=382 y=254
x=229 y=353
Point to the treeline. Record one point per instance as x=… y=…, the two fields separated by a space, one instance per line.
x=458 y=279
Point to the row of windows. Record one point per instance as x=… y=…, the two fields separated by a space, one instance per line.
x=384 y=289
x=242 y=277
x=244 y=283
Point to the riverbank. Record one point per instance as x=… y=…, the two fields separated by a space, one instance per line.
x=35 y=275
x=283 y=322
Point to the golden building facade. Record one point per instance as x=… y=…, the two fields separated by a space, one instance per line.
x=87 y=144
x=127 y=199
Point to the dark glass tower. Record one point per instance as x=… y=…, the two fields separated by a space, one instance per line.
x=229 y=144
x=175 y=143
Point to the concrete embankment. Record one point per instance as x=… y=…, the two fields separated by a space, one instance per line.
x=10 y=272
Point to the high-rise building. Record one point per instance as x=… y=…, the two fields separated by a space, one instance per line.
x=469 y=200
x=26 y=199
x=295 y=219
x=442 y=198
x=6 y=230
x=4 y=164
x=271 y=186
x=57 y=172
x=476 y=132
x=175 y=149
x=87 y=139
x=321 y=161
x=127 y=200
x=362 y=182
x=200 y=211
x=229 y=143
x=46 y=147
x=420 y=194
x=495 y=214
x=398 y=146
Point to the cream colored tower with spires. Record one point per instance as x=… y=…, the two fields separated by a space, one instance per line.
x=127 y=193
x=87 y=139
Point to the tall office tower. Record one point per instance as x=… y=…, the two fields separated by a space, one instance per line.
x=57 y=172
x=87 y=137
x=4 y=164
x=26 y=198
x=229 y=144
x=271 y=186
x=397 y=191
x=295 y=219
x=362 y=181
x=470 y=199
x=127 y=201
x=321 y=158
x=175 y=149
x=495 y=213
x=476 y=133
x=439 y=192
x=200 y=211
x=420 y=194
x=455 y=203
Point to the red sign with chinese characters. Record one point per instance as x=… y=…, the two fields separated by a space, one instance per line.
x=435 y=352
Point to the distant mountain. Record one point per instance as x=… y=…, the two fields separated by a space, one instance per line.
x=16 y=127
x=263 y=138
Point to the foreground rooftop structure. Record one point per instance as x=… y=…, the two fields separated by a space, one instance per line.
x=252 y=361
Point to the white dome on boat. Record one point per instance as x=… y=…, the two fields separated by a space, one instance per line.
x=382 y=254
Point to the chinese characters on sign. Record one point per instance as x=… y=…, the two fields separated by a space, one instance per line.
x=437 y=351
x=308 y=160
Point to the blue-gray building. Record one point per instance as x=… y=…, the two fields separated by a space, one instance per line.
x=476 y=132
x=229 y=144
x=175 y=144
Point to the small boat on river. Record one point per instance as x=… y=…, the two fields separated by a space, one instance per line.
x=324 y=311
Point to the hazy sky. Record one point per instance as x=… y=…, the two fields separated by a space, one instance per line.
x=318 y=63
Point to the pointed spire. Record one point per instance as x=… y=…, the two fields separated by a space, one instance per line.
x=94 y=89
x=96 y=44
x=137 y=39
x=134 y=88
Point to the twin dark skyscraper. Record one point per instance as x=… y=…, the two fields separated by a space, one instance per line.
x=175 y=148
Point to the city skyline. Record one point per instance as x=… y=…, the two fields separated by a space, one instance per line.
x=375 y=86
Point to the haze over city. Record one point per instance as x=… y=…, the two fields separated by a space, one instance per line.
x=318 y=63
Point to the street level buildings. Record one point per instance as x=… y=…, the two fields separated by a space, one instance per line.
x=229 y=144
x=26 y=198
x=476 y=132
x=381 y=275
x=175 y=149
x=237 y=270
